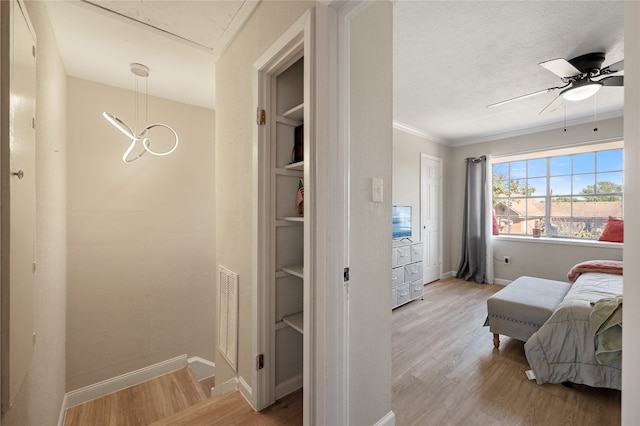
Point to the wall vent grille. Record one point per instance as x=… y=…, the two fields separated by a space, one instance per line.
x=228 y=315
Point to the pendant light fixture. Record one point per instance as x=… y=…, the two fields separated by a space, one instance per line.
x=144 y=137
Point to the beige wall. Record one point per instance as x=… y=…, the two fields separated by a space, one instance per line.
x=235 y=121
x=550 y=261
x=370 y=155
x=39 y=399
x=407 y=149
x=141 y=238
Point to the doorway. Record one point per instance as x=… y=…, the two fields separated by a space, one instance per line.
x=431 y=216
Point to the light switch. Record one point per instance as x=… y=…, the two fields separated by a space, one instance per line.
x=378 y=190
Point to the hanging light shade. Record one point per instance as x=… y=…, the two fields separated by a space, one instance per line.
x=143 y=137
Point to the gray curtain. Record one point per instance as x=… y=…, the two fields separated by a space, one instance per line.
x=473 y=263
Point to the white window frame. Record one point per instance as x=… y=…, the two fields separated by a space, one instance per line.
x=548 y=196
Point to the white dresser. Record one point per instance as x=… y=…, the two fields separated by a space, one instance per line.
x=406 y=276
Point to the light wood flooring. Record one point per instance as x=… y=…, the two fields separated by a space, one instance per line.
x=446 y=372
x=178 y=399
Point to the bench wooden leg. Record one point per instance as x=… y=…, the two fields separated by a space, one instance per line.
x=496 y=340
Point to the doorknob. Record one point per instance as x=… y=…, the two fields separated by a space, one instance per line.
x=19 y=173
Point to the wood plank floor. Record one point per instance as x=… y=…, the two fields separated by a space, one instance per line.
x=232 y=409
x=446 y=372
x=141 y=404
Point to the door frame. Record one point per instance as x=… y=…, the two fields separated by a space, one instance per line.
x=296 y=40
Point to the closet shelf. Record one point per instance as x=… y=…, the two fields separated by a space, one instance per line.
x=295 y=166
x=295 y=113
x=296 y=270
x=293 y=218
x=295 y=321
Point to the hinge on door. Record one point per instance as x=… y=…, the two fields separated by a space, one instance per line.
x=262 y=117
x=33 y=122
x=346 y=274
x=259 y=361
x=33 y=51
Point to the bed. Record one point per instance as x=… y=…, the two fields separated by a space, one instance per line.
x=565 y=348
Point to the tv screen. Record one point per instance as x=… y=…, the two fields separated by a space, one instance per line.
x=401 y=221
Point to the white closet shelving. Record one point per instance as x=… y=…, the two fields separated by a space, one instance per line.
x=288 y=228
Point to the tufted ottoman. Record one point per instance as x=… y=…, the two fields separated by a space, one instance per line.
x=520 y=309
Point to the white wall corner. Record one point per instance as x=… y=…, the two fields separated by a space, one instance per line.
x=389 y=419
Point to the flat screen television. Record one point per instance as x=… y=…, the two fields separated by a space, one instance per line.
x=401 y=222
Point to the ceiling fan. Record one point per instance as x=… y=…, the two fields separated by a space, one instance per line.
x=578 y=74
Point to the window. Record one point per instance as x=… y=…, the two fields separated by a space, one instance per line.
x=568 y=193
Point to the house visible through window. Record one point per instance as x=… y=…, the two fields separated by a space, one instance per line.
x=566 y=193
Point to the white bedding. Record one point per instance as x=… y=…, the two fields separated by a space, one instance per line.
x=563 y=349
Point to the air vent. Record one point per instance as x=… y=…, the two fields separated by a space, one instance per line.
x=228 y=315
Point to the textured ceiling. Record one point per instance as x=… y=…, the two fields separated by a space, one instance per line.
x=179 y=41
x=453 y=58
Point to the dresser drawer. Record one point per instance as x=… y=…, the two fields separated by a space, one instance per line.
x=417 y=289
x=404 y=255
x=397 y=276
x=413 y=272
x=403 y=294
x=417 y=252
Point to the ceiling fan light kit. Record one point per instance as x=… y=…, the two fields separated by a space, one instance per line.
x=582 y=91
x=140 y=70
x=578 y=75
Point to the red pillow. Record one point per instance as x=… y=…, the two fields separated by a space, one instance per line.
x=613 y=231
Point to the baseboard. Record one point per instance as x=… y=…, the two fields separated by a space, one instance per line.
x=226 y=387
x=389 y=419
x=63 y=410
x=291 y=385
x=201 y=367
x=501 y=281
x=123 y=381
x=446 y=275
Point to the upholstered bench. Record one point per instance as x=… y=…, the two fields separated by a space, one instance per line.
x=520 y=309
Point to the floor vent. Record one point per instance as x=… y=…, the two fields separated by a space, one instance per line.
x=228 y=315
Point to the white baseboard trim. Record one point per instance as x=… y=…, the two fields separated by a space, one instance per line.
x=446 y=275
x=501 y=281
x=288 y=386
x=63 y=410
x=246 y=391
x=201 y=367
x=389 y=419
x=117 y=383
x=226 y=387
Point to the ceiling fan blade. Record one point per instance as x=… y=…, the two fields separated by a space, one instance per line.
x=560 y=67
x=614 y=80
x=554 y=104
x=539 y=92
x=618 y=66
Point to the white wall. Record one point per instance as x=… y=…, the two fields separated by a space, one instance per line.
x=235 y=118
x=631 y=317
x=141 y=238
x=371 y=154
x=39 y=399
x=551 y=261
x=407 y=149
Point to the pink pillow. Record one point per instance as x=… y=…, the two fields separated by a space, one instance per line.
x=613 y=231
